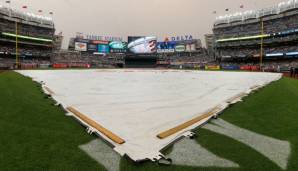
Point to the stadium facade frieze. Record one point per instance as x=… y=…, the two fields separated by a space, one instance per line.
x=105 y=38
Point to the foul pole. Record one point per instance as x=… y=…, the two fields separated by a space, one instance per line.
x=17 y=55
x=262 y=43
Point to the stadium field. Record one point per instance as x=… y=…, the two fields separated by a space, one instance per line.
x=36 y=135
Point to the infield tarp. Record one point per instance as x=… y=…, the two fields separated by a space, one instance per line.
x=137 y=105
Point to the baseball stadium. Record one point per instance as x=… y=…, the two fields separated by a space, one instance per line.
x=145 y=102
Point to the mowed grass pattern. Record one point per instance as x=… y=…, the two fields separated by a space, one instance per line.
x=35 y=135
x=271 y=111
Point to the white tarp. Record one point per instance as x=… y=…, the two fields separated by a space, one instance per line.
x=137 y=105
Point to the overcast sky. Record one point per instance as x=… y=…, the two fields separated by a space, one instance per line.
x=122 y=18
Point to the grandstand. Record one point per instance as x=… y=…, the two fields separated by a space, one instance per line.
x=193 y=60
x=268 y=35
x=75 y=59
x=26 y=39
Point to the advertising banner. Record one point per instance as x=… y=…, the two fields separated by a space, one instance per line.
x=212 y=67
x=180 y=38
x=190 y=47
x=255 y=68
x=250 y=68
x=103 y=48
x=274 y=54
x=79 y=46
x=81 y=40
x=166 y=47
x=92 y=47
x=180 y=48
x=246 y=67
x=100 y=42
x=231 y=67
x=60 y=65
x=118 y=47
x=292 y=53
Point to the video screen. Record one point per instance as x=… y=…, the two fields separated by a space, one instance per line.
x=133 y=38
x=142 y=45
x=118 y=47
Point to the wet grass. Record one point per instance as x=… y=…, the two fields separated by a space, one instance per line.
x=34 y=134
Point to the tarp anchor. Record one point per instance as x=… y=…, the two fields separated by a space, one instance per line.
x=164 y=161
x=90 y=130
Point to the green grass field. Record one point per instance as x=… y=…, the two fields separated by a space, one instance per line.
x=36 y=135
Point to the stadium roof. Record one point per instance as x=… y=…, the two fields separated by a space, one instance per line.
x=26 y=16
x=242 y=16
